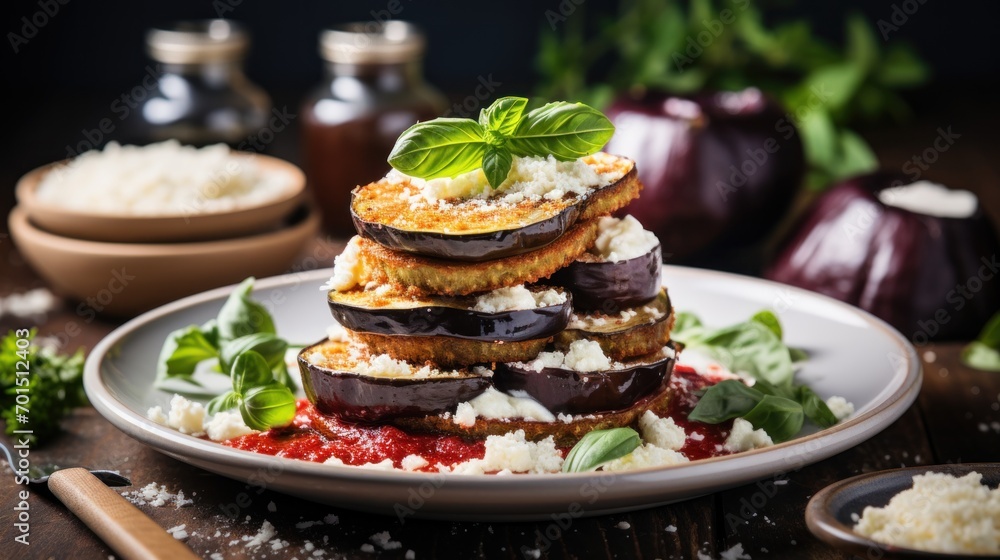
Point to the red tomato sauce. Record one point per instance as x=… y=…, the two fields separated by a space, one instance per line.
x=315 y=437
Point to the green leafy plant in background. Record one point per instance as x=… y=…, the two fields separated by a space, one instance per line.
x=54 y=384
x=685 y=47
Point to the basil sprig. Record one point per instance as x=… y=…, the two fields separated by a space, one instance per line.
x=599 y=447
x=243 y=342
x=984 y=352
x=447 y=147
x=775 y=403
x=263 y=402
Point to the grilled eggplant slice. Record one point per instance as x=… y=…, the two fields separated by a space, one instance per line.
x=573 y=392
x=424 y=275
x=393 y=312
x=446 y=351
x=564 y=434
x=339 y=382
x=610 y=287
x=473 y=231
x=631 y=332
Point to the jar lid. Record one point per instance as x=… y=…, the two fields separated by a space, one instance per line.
x=372 y=43
x=192 y=42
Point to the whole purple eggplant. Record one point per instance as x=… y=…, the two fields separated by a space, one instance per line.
x=932 y=277
x=720 y=169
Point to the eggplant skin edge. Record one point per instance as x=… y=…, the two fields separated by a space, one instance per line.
x=492 y=245
x=438 y=320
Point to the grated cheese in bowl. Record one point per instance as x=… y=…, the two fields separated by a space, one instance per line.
x=163 y=179
x=941 y=513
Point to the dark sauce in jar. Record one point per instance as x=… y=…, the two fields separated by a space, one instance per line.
x=372 y=91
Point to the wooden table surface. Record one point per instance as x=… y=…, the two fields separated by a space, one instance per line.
x=956 y=419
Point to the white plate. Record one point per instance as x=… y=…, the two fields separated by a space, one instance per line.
x=853 y=355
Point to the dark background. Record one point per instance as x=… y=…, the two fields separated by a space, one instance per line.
x=64 y=79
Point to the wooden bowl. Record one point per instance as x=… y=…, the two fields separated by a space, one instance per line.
x=187 y=226
x=124 y=279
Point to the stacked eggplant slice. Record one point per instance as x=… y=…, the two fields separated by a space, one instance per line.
x=497 y=311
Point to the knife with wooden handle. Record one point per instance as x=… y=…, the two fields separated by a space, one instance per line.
x=126 y=529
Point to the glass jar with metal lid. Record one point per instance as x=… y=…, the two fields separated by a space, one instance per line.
x=202 y=95
x=373 y=90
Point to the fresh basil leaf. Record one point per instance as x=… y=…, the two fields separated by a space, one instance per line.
x=496 y=165
x=269 y=346
x=781 y=418
x=183 y=350
x=724 y=401
x=769 y=320
x=748 y=347
x=797 y=354
x=250 y=370
x=503 y=115
x=599 y=447
x=980 y=356
x=268 y=406
x=443 y=147
x=225 y=401
x=786 y=391
x=685 y=325
x=815 y=408
x=210 y=329
x=567 y=131
x=984 y=352
x=241 y=315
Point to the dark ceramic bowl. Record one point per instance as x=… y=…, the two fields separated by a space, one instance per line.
x=828 y=514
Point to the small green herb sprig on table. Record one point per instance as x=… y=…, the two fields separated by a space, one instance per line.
x=984 y=352
x=448 y=147
x=54 y=384
x=775 y=403
x=244 y=344
x=685 y=47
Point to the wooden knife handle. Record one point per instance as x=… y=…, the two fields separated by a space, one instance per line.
x=122 y=526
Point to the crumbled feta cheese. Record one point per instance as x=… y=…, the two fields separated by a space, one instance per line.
x=265 y=534
x=156 y=415
x=383 y=465
x=516 y=297
x=661 y=432
x=622 y=239
x=583 y=356
x=744 y=438
x=348 y=268
x=532 y=178
x=513 y=452
x=337 y=333
x=734 y=553
x=465 y=415
x=384 y=541
x=413 y=462
x=187 y=417
x=384 y=365
x=226 y=425
x=332 y=460
x=156 y=495
x=840 y=407
x=941 y=513
x=410 y=555
x=494 y=404
x=367 y=548
x=178 y=532
x=33 y=303
x=646 y=456
x=624 y=525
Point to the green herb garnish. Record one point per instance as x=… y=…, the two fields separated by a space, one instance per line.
x=243 y=342
x=775 y=403
x=263 y=402
x=984 y=352
x=54 y=385
x=599 y=447
x=448 y=147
